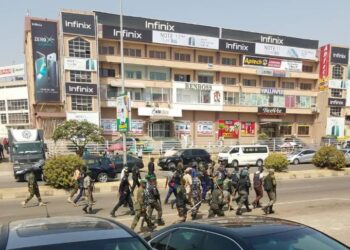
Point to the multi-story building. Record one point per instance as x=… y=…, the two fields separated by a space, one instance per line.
x=184 y=80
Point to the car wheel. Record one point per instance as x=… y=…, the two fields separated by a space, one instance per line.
x=259 y=163
x=235 y=164
x=171 y=165
x=296 y=162
x=102 y=177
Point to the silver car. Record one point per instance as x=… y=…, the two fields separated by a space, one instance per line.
x=301 y=156
x=347 y=156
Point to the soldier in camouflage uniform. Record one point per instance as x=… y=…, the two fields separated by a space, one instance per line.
x=217 y=201
x=140 y=207
x=153 y=200
x=33 y=189
x=243 y=191
x=196 y=194
x=88 y=185
x=181 y=201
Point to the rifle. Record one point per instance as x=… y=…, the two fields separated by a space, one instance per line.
x=196 y=205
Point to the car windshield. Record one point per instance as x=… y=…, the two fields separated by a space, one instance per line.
x=28 y=148
x=226 y=150
x=304 y=238
x=110 y=244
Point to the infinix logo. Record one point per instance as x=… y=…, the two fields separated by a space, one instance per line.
x=237 y=46
x=339 y=55
x=159 y=26
x=271 y=39
x=128 y=34
x=78 y=25
x=80 y=89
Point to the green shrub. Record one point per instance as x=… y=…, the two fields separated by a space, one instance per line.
x=263 y=136
x=276 y=161
x=58 y=171
x=329 y=157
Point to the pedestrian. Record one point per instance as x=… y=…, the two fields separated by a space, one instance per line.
x=228 y=190
x=221 y=173
x=205 y=181
x=136 y=177
x=257 y=183
x=124 y=195
x=243 y=192
x=217 y=200
x=141 y=206
x=196 y=194
x=270 y=188
x=153 y=200
x=188 y=183
x=75 y=178
x=33 y=189
x=88 y=185
x=2 y=151
x=81 y=187
x=140 y=152
x=181 y=201
x=211 y=173
x=5 y=143
x=151 y=167
x=170 y=182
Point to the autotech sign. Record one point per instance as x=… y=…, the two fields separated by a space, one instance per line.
x=236 y=46
x=340 y=55
x=274 y=63
x=113 y=32
x=78 y=24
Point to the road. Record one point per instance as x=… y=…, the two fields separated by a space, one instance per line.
x=322 y=203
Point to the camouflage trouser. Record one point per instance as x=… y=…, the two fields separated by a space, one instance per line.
x=33 y=191
x=75 y=189
x=214 y=211
x=89 y=201
x=182 y=211
x=243 y=199
x=138 y=214
x=196 y=199
x=154 y=205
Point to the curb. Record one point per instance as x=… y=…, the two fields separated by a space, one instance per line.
x=112 y=187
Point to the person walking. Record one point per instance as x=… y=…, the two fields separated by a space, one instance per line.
x=170 y=182
x=81 y=187
x=196 y=194
x=33 y=189
x=124 y=195
x=258 y=183
x=181 y=201
x=88 y=184
x=188 y=183
x=2 y=151
x=140 y=152
x=153 y=199
x=75 y=178
x=243 y=192
x=136 y=177
x=151 y=167
x=141 y=206
x=270 y=188
x=217 y=200
x=228 y=190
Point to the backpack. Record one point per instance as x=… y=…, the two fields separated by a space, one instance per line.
x=256 y=180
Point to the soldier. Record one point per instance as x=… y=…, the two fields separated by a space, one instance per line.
x=33 y=189
x=270 y=188
x=243 y=191
x=196 y=194
x=88 y=188
x=228 y=190
x=140 y=207
x=205 y=181
x=151 y=167
x=136 y=176
x=181 y=201
x=188 y=183
x=153 y=200
x=217 y=201
x=257 y=183
x=170 y=182
x=124 y=195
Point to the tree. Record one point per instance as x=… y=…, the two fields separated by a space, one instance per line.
x=80 y=133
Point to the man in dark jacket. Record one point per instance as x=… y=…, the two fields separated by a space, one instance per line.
x=270 y=188
x=153 y=200
x=217 y=200
x=257 y=183
x=136 y=177
x=151 y=167
x=243 y=192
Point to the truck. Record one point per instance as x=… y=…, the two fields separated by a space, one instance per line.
x=27 y=151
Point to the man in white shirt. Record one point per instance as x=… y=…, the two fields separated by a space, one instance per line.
x=258 y=186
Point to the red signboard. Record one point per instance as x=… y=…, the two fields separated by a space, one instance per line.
x=324 y=63
x=247 y=128
x=228 y=129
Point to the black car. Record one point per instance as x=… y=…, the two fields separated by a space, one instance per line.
x=186 y=156
x=102 y=168
x=240 y=233
x=131 y=162
x=21 y=170
x=68 y=233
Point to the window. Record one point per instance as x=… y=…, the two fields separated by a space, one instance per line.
x=269 y=84
x=253 y=150
x=214 y=241
x=228 y=61
x=205 y=59
x=288 y=85
x=18 y=118
x=290 y=101
x=106 y=50
x=336 y=93
x=132 y=52
x=303 y=130
x=80 y=76
x=231 y=97
x=160 y=243
x=182 y=57
x=228 y=80
x=205 y=79
x=182 y=78
x=285 y=130
x=157 y=94
x=79 y=47
x=192 y=96
x=335 y=111
x=19 y=104
x=249 y=82
x=157 y=54
x=306 y=86
x=81 y=103
x=107 y=72
x=158 y=76
x=3 y=119
x=2 y=105
x=308 y=68
x=133 y=74
x=337 y=72
x=186 y=239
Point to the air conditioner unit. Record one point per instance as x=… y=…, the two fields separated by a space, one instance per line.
x=314 y=109
x=148 y=104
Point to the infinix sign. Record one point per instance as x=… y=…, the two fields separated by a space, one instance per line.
x=157 y=25
x=271 y=39
x=78 y=24
x=112 y=32
x=81 y=89
x=237 y=46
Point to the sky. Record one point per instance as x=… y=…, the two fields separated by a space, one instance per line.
x=322 y=20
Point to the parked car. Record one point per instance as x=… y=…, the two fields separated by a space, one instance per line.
x=240 y=233
x=131 y=162
x=301 y=156
x=347 y=156
x=102 y=168
x=184 y=155
x=68 y=233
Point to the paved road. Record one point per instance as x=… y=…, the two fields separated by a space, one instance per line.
x=321 y=203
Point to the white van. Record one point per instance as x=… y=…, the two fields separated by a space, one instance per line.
x=241 y=155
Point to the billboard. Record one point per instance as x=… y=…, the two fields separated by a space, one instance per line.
x=271 y=111
x=45 y=61
x=285 y=51
x=338 y=84
x=228 y=129
x=335 y=126
x=336 y=102
x=272 y=63
x=137 y=127
x=205 y=128
x=113 y=32
x=237 y=46
x=109 y=126
x=78 y=24
x=123 y=109
x=92 y=117
x=12 y=71
x=248 y=129
x=324 y=65
x=81 y=89
x=81 y=64
x=340 y=55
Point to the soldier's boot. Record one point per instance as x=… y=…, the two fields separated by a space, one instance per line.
x=41 y=204
x=271 y=210
x=266 y=209
x=132 y=212
x=160 y=222
x=90 y=210
x=112 y=214
x=23 y=203
x=85 y=210
x=239 y=211
x=248 y=209
x=69 y=200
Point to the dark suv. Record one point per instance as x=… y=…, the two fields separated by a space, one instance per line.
x=186 y=156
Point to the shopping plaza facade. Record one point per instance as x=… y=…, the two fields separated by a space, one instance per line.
x=188 y=81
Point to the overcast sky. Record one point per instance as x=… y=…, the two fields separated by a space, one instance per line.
x=323 y=20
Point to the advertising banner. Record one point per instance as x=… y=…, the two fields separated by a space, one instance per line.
x=272 y=63
x=147 y=111
x=12 y=71
x=285 y=51
x=340 y=55
x=123 y=109
x=109 y=126
x=237 y=46
x=81 y=64
x=205 y=128
x=324 y=65
x=248 y=129
x=228 y=129
x=45 y=58
x=113 y=32
x=335 y=126
x=336 y=102
x=137 y=127
x=81 y=89
x=182 y=128
x=271 y=111
x=78 y=24
x=179 y=39
x=338 y=84
x=92 y=117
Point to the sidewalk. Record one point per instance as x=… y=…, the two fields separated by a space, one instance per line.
x=112 y=187
x=6 y=168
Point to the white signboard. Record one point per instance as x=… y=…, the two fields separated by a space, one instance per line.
x=205 y=128
x=109 y=126
x=147 y=111
x=182 y=128
x=92 y=117
x=335 y=126
x=11 y=71
x=285 y=51
x=27 y=135
x=83 y=64
x=187 y=40
x=137 y=127
x=338 y=84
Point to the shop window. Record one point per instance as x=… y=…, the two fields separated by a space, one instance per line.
x=18 y=104
x=182 y=78
x=192 y=96
x=269 y=84
x=3 y=119
x=249 y=82
x=278 y=101
x=288 y=85
x=18 y=118
x=81 y=103
x=229 y=97
x=80 y=76
x=337 y=72
x=133 y=74
x=2 y=105
x=157 y=94
x=307 y=68
x=182 y=57
x=303 y=101
x=228 y=61
x=228 y=80
x=107 y=72
x=205 y=59
x=79 y=47
x=106 y=50
x=305 y=86
x=155 y=54
x=157 y=76
x=303 y=130
x=335 y=111
x=285 y=130
x=132 y=52
x=289 y=101
x=336 y=93
x=205 y=79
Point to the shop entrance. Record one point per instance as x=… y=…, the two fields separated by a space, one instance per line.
x=270 y=129
x=160 y=129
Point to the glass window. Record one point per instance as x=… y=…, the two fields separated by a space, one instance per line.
x=303 y=130
x=308 y=68
x=185 y=239
x=2 y=105
x=182 y=57
x=229 y=97
x=112 y=92
x=288 y=85
x=278 y=101
x=106 y=50
x=214 y=241
x=228 y=80
x=158 y=76
x=182 y=78
x=133 y=74
x=18 y=118
x=107 y=72
x=289 y=101
x=249 y=82
x=132 y=52
x=306 y=86
x=336 y=93
x=78 y=47
x=157 y=54
x=269 y=84
x=18 y=104
x=3 y=119
x=335 y=111
x=81 y=103
x=157 y=94
x=228 y=61
x=285 y=130
x=80 y=76
x=192 y=96
x=205 y=78
x=303 y=101
x=205 y=59
x=161 y=242
x=337 y=72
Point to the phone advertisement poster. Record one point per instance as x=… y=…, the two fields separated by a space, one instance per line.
x=205 y=128
x=45 y=58
x=228 y=129
x=123 y=109
x=247 y=128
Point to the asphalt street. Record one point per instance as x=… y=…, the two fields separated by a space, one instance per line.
x=322 y=203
